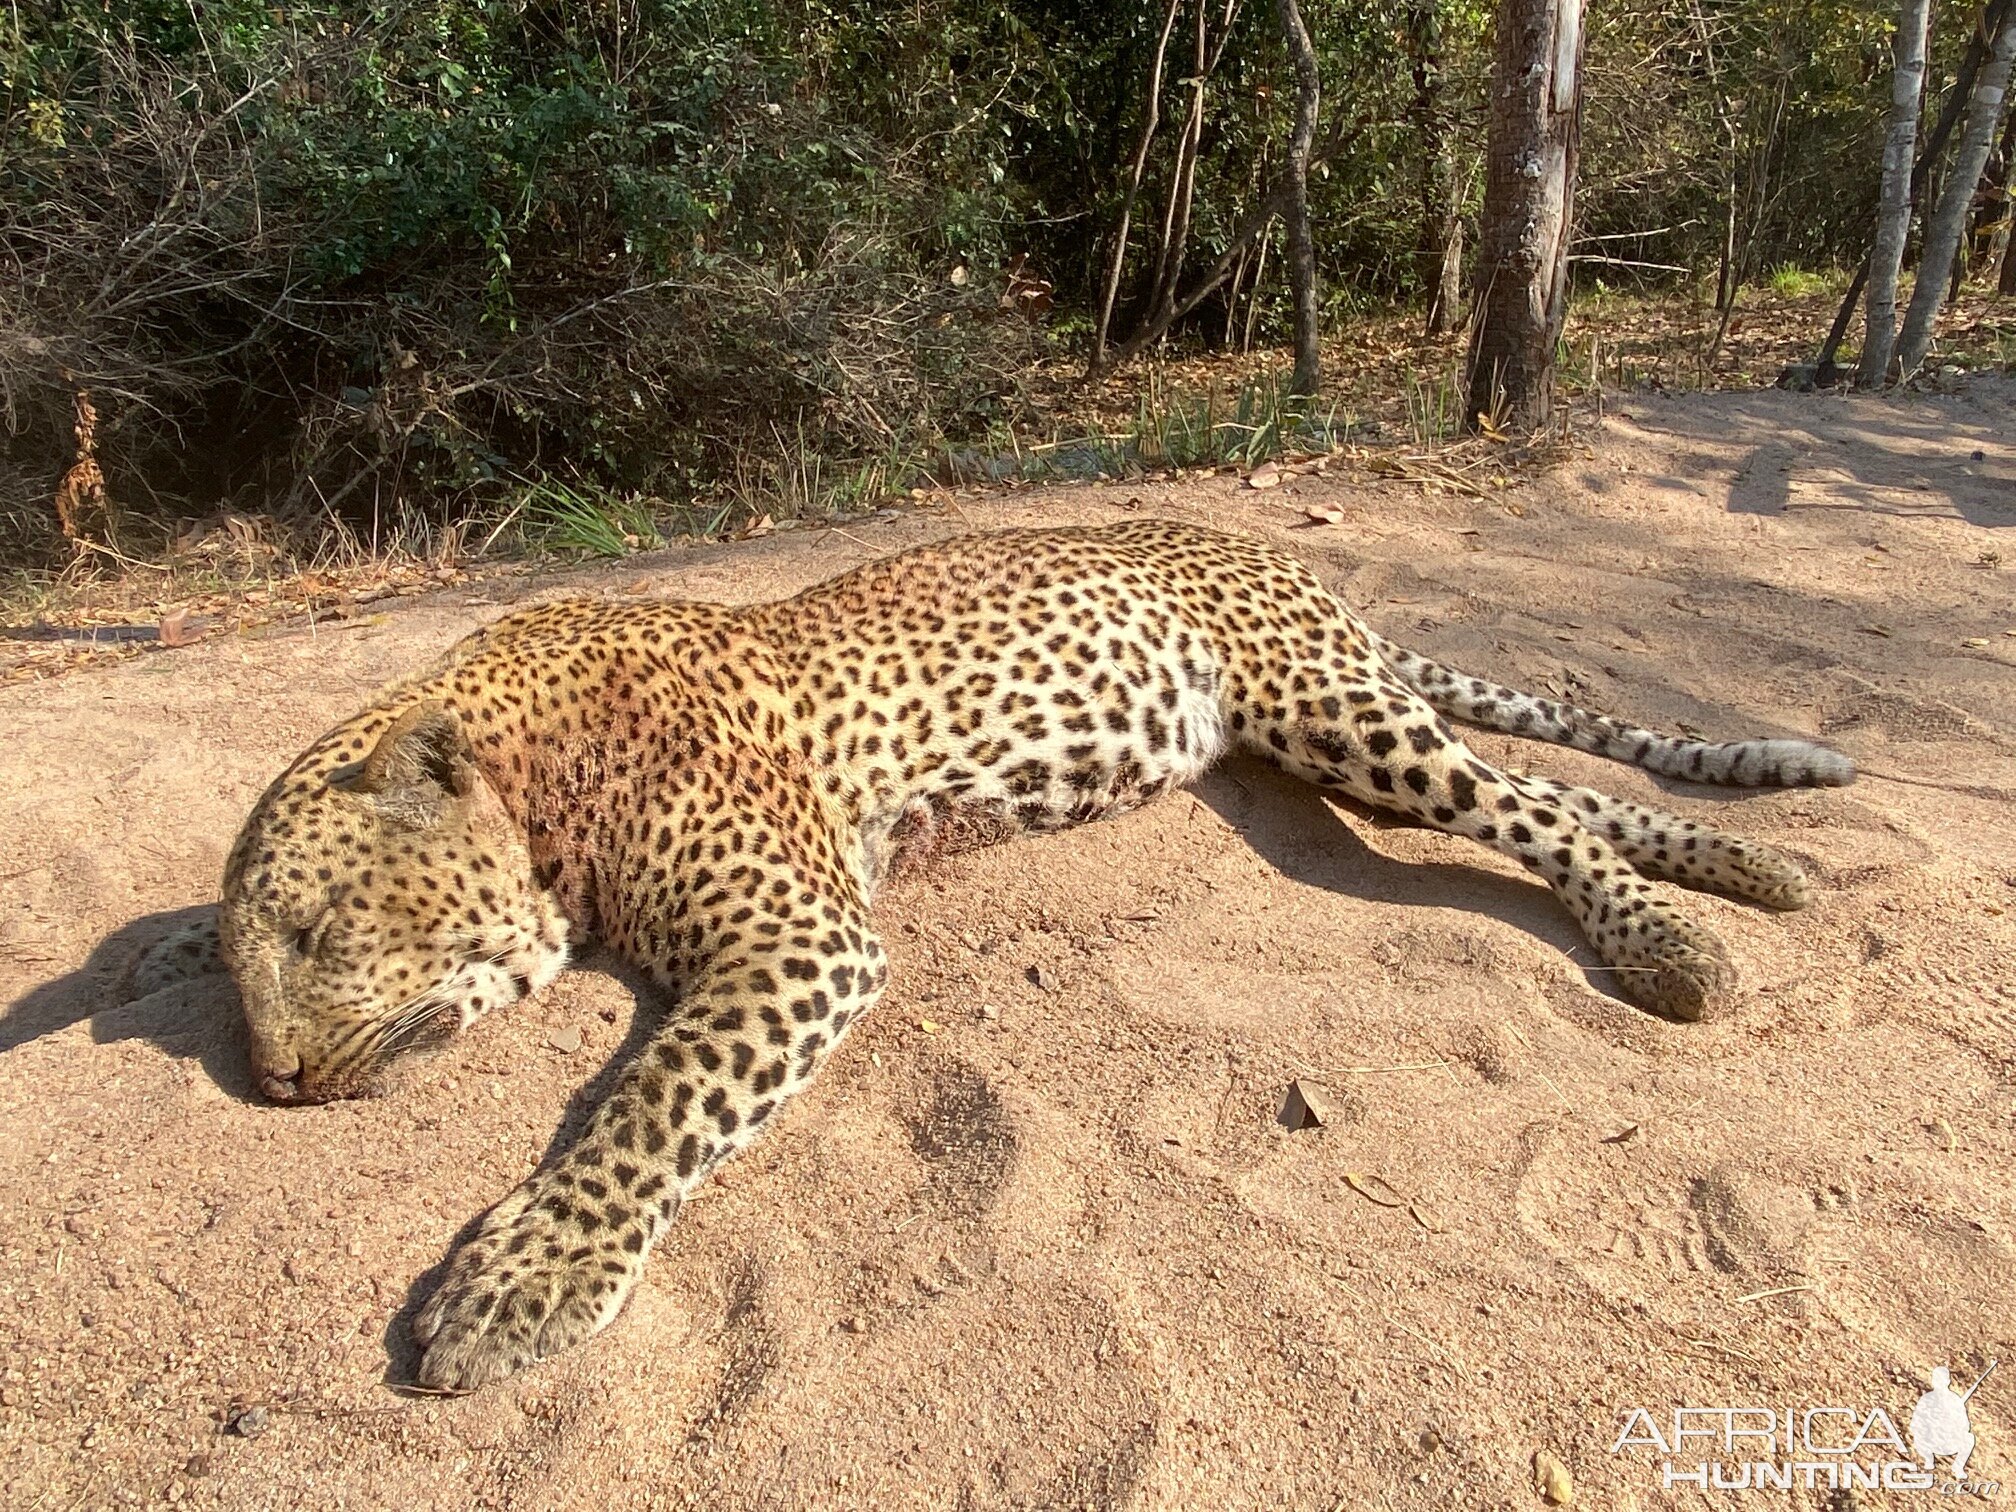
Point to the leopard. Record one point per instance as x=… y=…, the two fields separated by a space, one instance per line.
x=715 y=793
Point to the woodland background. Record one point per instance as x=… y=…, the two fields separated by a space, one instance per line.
x=339 y=262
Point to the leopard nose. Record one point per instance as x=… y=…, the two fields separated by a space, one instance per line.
x=279 y=1079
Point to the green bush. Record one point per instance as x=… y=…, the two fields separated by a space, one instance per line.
x=324 y=259
x=317 y=255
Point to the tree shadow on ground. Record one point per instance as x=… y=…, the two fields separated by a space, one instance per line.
x=1937 y=457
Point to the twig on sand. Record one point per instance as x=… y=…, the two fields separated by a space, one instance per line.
x=1730 y=1349
x=416 y=1389
x=1361 y=1183
x=1779 y=1291
x=1319 y=1072
x=845 y=535
x=1448 y=1070
x=1540 y=1070
x=1447 y=1361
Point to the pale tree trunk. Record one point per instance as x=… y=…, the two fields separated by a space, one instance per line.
x=1301 y=245
x=2005 y=237
x=1243 y=235
x=1529 y=208
x=1183 y=180
x=1253 y=299
x=1189 y=151
x=1232 y=290
x=1928 y=154
x=1991 y=214
x=1746 y=216
x=1893 y=211
x=1440 y=249
x=1448 y=306
x=1151 y=118
x=1949 y=217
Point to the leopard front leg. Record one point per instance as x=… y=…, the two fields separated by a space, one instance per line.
x=554 y=1262
x=191 y=952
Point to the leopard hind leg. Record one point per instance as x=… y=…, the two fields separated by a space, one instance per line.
x=1377 y=740
x=1678 y=850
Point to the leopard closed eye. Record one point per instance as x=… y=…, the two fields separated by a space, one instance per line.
x=716 y=793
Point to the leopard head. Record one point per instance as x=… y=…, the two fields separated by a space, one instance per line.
x=379 y=899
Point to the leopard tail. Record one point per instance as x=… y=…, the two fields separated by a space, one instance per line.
x=1736 y=763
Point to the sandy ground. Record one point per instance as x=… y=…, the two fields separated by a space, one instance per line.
x=1036 y=1239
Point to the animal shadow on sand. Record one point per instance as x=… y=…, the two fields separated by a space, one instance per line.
x=198 y=1019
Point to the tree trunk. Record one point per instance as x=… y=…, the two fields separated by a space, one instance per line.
x=1244 y=235
x=1529 y=206
x=1248 y=231
x=1928 y=154
x=1893 y=210
x=1183 y=181
x=1949 y=217
x=1253 y=298
x=1159 y=311
x=2005 y=237
x=1726 y=116
x=1824 y=370
x=1301 y=245
x=1725 y=271
x=1149 y=121
x=1232 y=299
x=1991 y=217
x=1448 y=305
x=1745 y=222
x=1441 y=223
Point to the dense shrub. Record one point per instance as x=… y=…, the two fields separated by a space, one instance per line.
x=306 y=257
x=300 y=254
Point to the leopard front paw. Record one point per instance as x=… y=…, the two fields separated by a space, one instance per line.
x=532 y=1282
x=189 y=953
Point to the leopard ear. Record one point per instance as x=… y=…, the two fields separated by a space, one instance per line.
x=424 y=750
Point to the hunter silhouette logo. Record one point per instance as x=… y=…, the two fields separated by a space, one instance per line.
x=1834 y=1447
x=1939 y=1423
